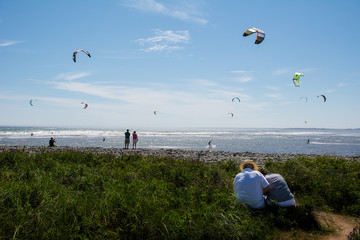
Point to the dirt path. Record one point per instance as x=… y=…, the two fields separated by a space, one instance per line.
x=342 y=225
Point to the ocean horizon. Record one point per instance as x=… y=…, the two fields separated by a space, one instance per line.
x=259 y=140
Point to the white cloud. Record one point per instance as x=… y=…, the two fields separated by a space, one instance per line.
x=282 y=71
x=242 y=75
x=6 y=97
x=330 y=90
x=8 y=43
x=205 y=103
x=272 y=88
x=241 y=71
x=183 y=13
x=203 y=82
x=161 y=48
x=243 y=79
x=308 y=70
x=165 y=41
x=72 y=75
x=275 y=96
x=151 y=95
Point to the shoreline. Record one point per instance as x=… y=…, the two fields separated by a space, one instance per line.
x=193 y=155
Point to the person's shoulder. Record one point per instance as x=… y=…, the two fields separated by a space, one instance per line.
x=273 y=176
x=239 y=174
x=256 y=172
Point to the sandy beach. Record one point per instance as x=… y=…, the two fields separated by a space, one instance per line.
x=208 y=156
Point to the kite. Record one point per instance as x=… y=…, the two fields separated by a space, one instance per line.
x=232 y=115
x=75 y=53
x=303 y=97
x=85 y=106
x=155 y=112
x=323 y=97
x=236 y=98
x=31 y=102
x=260 y=34
x=296 y=79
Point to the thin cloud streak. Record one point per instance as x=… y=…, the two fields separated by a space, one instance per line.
x=275 y=96
x=241 y=71
x=272 y=88
x=283 y=71
x=152 y=95
x=165 y=41
x=153 y=6
x=242 y=76
x=72 y=75
x=243 y=79
x=8 y=43
x=203 y=82
x=330 y=90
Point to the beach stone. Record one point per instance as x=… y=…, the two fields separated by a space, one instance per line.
x=193 y=155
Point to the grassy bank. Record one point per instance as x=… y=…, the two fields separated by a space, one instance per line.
x=71 y=195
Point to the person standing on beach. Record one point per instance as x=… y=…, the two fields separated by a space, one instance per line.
x=127 y=139
x=278 y=190
x=135 y=139
x=250 y=185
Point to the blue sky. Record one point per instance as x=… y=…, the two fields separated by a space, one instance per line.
x=185 y=59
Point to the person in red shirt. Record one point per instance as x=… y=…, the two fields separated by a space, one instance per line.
x=135 y=139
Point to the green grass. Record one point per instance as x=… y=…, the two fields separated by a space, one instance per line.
x=325 y=183
x=69 y=195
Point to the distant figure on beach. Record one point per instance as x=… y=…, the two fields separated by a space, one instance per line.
x=135 y=139
x=308 y=141
x=103 y=139
x=250 y=185
x=52 y=142
x=278 y=190
x=127 y=139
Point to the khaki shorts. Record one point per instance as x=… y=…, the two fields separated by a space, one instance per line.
x=127 y=140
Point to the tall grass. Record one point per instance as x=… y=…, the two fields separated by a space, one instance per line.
x=325 y=183
x=70 y=195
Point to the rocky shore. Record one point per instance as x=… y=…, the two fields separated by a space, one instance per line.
x=208 y=156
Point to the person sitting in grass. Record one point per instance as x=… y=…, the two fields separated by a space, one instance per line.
x=250 y=185
x=278 y=190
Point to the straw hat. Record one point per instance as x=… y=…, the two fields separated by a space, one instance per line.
x=246 y=162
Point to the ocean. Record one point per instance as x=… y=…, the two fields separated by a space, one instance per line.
x=287 y=140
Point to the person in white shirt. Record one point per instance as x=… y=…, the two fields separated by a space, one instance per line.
x=250 y=185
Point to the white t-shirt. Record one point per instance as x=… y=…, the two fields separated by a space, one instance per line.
x=248 y=187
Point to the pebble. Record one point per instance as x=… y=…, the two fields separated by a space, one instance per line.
x=193 y=155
